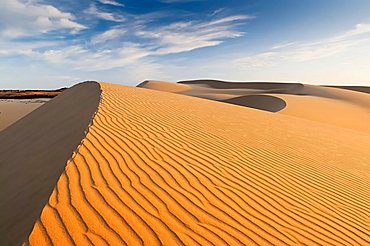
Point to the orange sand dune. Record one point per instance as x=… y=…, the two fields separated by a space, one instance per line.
x=342 y=106
x=33 y=155
x=162 y=168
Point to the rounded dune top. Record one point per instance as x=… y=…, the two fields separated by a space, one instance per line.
x=164 y=86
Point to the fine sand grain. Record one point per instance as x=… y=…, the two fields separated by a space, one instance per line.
x=33 y=155
x=161 y=168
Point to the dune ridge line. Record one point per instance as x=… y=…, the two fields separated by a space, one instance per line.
x=34 y=152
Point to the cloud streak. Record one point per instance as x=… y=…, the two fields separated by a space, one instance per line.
x=303 y=52
x=111 y=2
x=21 y=19
x=113 y=48
x=94 y=12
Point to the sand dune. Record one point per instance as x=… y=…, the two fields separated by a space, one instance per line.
x=162 y=168
x=335 y=106
x=364 y=89
x=12 y=110
x=33 y=154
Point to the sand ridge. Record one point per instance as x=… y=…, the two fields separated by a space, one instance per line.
x=33 y=154
x=161 y=168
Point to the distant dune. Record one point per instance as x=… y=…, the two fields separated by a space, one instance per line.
x=365 y=89
x=346 y=107
x=162 y=168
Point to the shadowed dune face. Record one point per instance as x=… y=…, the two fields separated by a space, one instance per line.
x=217 y=84
x=262 y=102
x=248 y=88
x=159 y=168
x=33 y=155
x=363 y=89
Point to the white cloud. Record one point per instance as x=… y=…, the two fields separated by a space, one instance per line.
x=80 y=58
x=110 y=51
x=302 y=52
x=186 y=36
x=111 y=2
x=64 y=55
x=113 y=48
x=9 y=48
x=282 y=45
x=217 y=11
x=231 y=19
x=110 y=34
x=93 y=11
x=20 y=19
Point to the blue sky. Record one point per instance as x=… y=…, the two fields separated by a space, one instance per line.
x=56 y=43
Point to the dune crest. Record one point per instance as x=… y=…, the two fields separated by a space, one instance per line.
x=161 y=168
x=339 y=106
x=33 y=155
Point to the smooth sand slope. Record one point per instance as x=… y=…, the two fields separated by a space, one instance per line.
x=161 y=168
x=12 y=110
x=33 y=155
x=346 y=106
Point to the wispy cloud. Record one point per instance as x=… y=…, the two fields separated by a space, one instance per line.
x=132 y=39
x=93 y=11
x=108 y=35
x=302 y=52
x=185 y=36
x=83 y=59
x=20 y=19
x=111 y=2
x=113 y=48
x=217 y=11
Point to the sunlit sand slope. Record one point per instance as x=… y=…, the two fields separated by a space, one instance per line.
x=33 y=155
x=161 y=168
x=335 y=106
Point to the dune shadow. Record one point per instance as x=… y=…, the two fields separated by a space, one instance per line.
x=275 y=87
x=261 y=102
